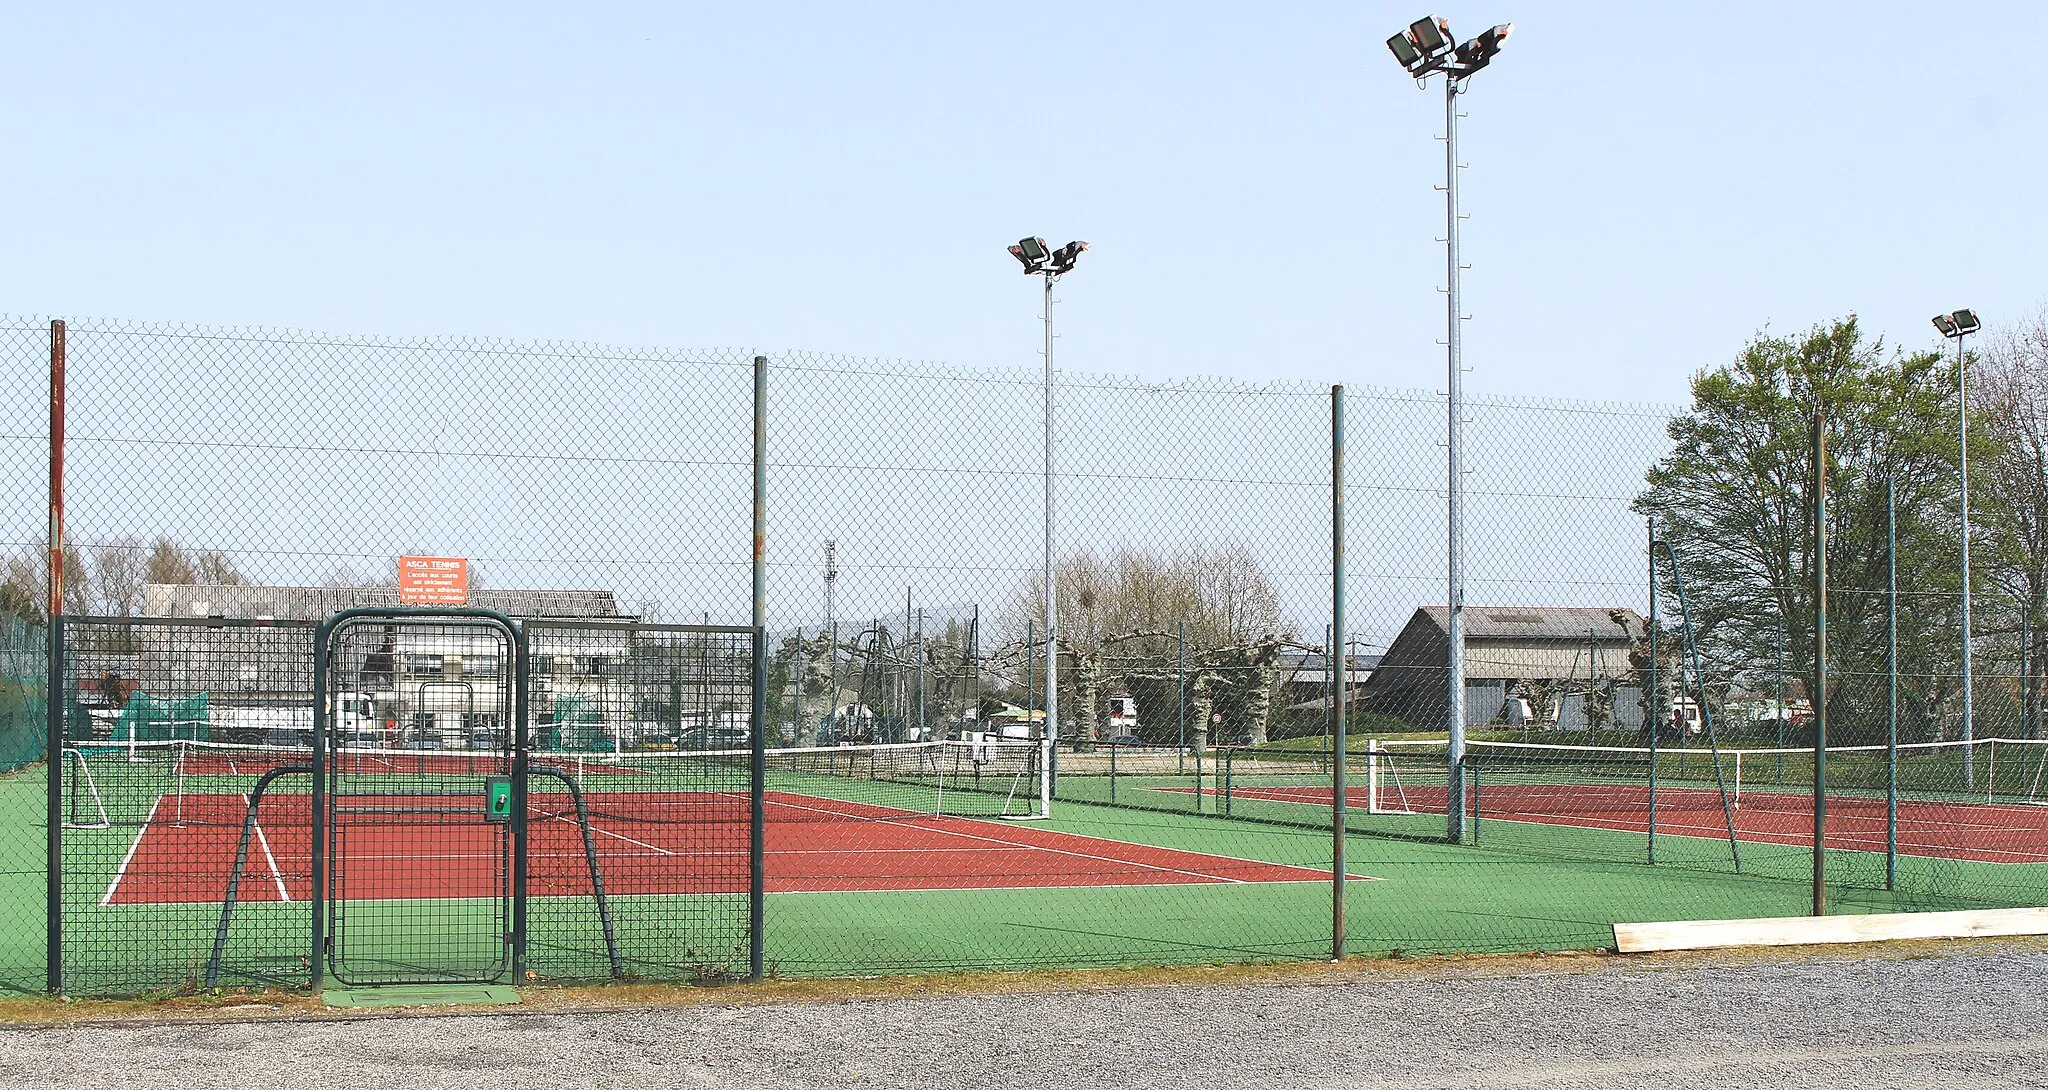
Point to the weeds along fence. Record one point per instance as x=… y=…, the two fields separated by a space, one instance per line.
x=575 y=795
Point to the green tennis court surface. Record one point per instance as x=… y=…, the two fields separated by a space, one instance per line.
x=1527 y=886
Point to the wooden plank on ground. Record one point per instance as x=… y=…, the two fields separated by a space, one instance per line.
x=1634 y=938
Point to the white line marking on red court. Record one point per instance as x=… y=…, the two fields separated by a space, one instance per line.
x=275 y=873
x=122 y=870
x=602 y=831
x=1055 y=851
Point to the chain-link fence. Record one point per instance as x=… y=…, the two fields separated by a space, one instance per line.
x=230 y=490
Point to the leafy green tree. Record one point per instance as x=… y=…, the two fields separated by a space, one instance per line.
x=1734 y=500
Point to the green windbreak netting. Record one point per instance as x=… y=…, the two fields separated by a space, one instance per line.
x=146 y=719
x=23 y=676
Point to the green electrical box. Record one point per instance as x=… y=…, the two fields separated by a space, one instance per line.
x=498 y=798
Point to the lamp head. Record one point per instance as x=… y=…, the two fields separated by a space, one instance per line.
x=1475 y=54
x=1432 y=36
x=1063 y=258
x=1966 y=322
x=1031 y=253
x=1945 y=325
x=1404 y=51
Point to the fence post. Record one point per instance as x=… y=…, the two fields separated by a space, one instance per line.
x=53 y=697
x=1337 y=743
x=758 y=711
x=1820 y=656
x=1653 y=709
x=1891 y=669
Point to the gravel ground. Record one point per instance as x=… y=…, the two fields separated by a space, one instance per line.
x=1973 y=1018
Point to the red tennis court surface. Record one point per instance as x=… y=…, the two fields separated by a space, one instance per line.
x=186 y=851
x=1982 y=832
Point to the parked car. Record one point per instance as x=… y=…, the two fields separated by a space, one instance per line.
x=719 y=737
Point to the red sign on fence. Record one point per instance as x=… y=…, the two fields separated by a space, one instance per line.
x=433 y=581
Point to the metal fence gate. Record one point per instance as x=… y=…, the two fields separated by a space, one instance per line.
x=419 y=792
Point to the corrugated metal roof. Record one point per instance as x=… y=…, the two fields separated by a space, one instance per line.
x=1539 y=622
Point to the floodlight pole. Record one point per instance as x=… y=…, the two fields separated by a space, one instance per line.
x=1049 y=774
x=1454 y=625
x=1424 y=50
x=1963 y=443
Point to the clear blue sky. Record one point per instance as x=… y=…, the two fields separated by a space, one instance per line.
x=1649 y=183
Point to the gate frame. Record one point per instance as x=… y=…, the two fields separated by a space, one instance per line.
x=323 y=719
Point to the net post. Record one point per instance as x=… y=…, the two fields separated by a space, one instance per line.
x=1372 y=776
x=1048 y=756
x=1229 y=769
x=757 y=763
x=53 y=696
x=1474 y=769
x=1113 y=747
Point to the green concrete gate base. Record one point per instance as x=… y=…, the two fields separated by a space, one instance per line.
x=422 y=995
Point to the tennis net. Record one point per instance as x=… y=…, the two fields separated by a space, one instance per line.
x=132 y=782
x=1595 y=779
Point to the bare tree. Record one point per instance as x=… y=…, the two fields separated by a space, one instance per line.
x=214 y=567
x=24 y=583
x=167 y=563
x=1121 y=617
x=21 y=584
x=170 y=563
x=2012 y=375
x=118 y=576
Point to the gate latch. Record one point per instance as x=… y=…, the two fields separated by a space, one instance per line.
x=498 y=798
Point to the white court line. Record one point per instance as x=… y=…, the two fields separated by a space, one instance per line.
x=1063 y=851
x=602 y=831
x=121 y=871
x=1066 y=833
x=910 y=819
x=276 y=874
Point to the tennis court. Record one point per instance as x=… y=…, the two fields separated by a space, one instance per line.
x=665 y=843
x=1980 y=832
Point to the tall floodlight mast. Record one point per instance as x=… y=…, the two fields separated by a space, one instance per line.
x=1051 y=265
x=1425 y=49
x=1955 y=327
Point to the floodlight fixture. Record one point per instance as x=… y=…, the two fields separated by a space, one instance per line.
x=1966 y=322
x=1946 y=325
x=1032 y=254
x=1063 y=258
x=1404 y=50
x=1432 y=36
x=1474 y=54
